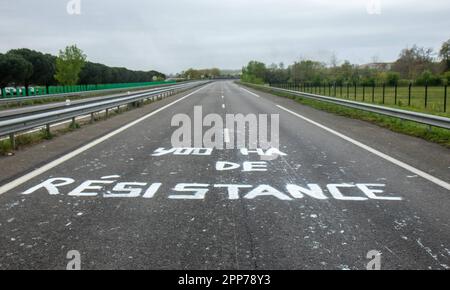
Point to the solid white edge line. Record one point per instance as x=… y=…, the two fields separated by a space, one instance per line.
x=252 y=93
x=414 y=170
x=15 y=183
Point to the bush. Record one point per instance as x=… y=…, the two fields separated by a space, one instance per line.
x=403 y=82
x=246 y=78
x=392 y=78
x=427 y=77
x=446 y=77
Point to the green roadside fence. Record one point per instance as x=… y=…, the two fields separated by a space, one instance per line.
x=42 y=90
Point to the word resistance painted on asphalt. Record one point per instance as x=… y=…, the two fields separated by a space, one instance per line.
x=198 y=191
x=111 y=186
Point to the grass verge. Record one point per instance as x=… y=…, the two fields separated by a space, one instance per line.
x=433 y=134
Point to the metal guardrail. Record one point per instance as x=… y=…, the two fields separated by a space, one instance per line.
x=24 y=123
x=5 y=115
x=427 y=119
x=73 y=94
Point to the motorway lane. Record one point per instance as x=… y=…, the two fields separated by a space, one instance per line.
x=216 y=232
x=335 y=232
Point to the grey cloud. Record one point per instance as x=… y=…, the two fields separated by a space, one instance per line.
x=173 y=35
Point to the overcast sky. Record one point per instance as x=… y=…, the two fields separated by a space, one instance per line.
x=173 y=35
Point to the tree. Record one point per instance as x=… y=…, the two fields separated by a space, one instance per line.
x=347 y=73
x=307 y=71
x=69 y=64
x=277 y=74
x=43 y=66
x=428 y=78
x=413 y=61
x=444 y=54
x=254 y=72
x=91 y=74
x=14 y=69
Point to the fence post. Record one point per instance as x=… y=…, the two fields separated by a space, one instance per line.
x=395 y=95
x=426 y=94
x=445 y=98
x=47 y=129
x=409 y=94
x=355 y=91
x=373 y=93
x=364 y=93
x=384 y=91
x=12 y=141
x=348 y=90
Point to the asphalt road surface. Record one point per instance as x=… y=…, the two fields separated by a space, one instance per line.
x=338 y=190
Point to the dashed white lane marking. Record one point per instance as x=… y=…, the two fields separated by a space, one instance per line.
x=414 y=170
x=13 y=184
x=223 y=106
x=223 y=97
x=226 y=135
x=251 y=93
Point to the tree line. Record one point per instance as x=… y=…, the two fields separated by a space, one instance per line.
x=196 y=74
x=25 y=67
x=415 y=65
